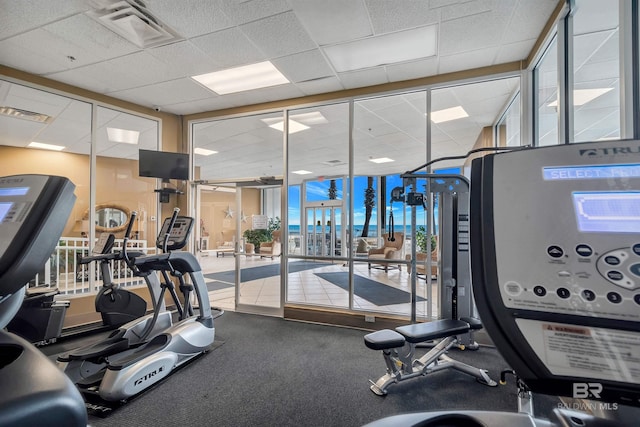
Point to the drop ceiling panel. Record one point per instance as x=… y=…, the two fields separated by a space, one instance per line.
x=27 y=15
x=163 y=93
x=369 y=77
x=86 y=40
x=197 y=18
x=279 y=35
x=334 y=21
x=391 y=16
x=471 y=33
x=323 y=85
x=27 y=52
x=243 y=11
x=299 y=67
x=412 y=70
x=229 y=48
x=184 y=58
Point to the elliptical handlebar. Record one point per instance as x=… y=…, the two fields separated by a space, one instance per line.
x=167 y=234
x=125 y=241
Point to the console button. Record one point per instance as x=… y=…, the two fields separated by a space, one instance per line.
x=588 y=295
x=555 y=251
x=563 y=293
x=614 y=297
x=584 y=250
x=612 y=260
x=636 y=299
x=636 y=249
x=615 y=275
x=635 y=269
x=539 y=291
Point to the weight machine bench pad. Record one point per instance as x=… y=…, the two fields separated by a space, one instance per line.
x=383 y=339
x=421 y=332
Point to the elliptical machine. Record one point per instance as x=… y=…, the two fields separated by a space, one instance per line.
x=128 y=363
x=116 y=305
x=85 y=365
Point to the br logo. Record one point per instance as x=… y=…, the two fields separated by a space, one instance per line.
x=587 y=390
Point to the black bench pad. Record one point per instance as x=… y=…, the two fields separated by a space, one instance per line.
x=475 y=324
x=383 y=339
x=421 y=332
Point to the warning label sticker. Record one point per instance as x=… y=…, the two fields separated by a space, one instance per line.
x=586 y=352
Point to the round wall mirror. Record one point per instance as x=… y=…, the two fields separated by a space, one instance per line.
x=110 y=218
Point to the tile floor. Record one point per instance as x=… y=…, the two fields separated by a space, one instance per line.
x=305 y=287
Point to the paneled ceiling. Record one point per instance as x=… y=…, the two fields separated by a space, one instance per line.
x=62 y=41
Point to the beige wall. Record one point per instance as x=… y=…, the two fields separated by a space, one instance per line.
x=213 y=207
x=133 y=192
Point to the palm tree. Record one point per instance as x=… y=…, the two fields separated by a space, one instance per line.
x=369 y=204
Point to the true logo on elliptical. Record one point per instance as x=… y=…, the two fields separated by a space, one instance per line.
x=148 y=376
x=609 y=151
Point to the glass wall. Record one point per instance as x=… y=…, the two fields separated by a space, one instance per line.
x=546 y=78
x=52 y=134
x=318 y=200
x=596 y=70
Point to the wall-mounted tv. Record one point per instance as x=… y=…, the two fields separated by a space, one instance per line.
x=162 y=164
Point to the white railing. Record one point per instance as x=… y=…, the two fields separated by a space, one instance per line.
x=64 y=271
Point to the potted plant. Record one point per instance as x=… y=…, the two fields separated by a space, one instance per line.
x=421 y=239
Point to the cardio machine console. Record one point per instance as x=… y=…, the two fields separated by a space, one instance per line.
x=556 y=265
x=178 y=235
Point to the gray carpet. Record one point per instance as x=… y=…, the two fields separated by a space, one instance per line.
x=273 y=372
x=375 y=292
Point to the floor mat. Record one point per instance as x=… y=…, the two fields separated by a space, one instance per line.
x=262 y=272
x=375 y=292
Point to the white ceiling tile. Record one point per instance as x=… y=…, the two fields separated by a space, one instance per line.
x=527 y=18
x=333 y=21
x=299 y=67
x=474 y=7
x=514 y=51
x=412 y=70
x=361 y=78
x=229 y=48
x=20 y=16
x=87 y=40
x=279 y=35
x=325 y=85
x=164 y=93
x=468 y=60
x=390 y=16
x=183 y=58
x=191 y=18
x=471 y=33
x=35 y=52
x=243 y=11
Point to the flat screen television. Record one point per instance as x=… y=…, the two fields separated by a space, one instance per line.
x=162 y=164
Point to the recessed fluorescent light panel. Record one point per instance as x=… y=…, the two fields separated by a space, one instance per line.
x=582 y=96
x=297 y=122
x=240 y=79
x=448 y=114
x=203 y=151
x=46 y=146
x=386 y=49
x=301 y=172
x=123 y=135
x=382 y=160
x=25 y=114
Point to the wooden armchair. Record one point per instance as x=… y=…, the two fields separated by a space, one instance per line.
x=273 y=248
x=390 y=250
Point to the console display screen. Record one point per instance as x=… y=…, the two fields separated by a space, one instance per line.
x=15 y=191
x=607 y=211
x=4 y=208
x=590 y=172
